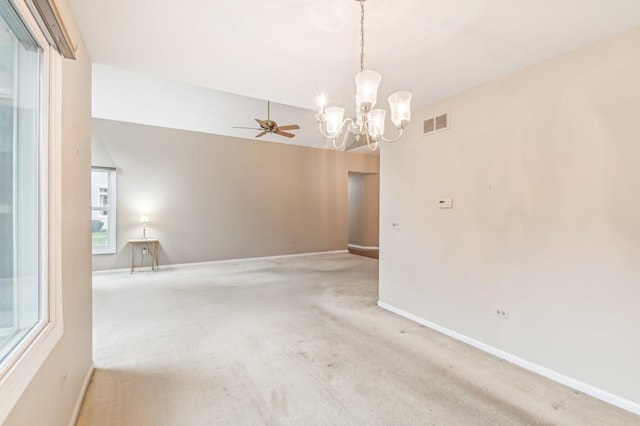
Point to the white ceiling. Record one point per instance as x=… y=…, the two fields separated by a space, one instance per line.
x=290 y=51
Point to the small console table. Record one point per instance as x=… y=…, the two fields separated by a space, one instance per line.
x=151 y=246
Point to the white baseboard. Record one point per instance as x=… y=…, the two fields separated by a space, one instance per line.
x=83 y=391
x=605 y=396
x=359 y=247
x=279 y=256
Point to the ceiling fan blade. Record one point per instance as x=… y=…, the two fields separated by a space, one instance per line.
x=261 y=134
x=262 y=123
x=250 y=128
x=286 y=134
x=289 y=127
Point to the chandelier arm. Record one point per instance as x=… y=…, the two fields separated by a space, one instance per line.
x=394 y=139
x=343 y=144
x=372 y=146
x=345 y=121
x=337 y=135
x=345 y=137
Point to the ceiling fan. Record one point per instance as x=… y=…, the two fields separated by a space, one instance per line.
x=270 y=126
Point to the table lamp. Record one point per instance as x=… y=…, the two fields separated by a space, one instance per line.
x=144 y=220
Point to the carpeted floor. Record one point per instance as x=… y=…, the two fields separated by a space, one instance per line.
x=297 y=341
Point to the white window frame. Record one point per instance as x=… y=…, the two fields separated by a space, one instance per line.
x=21 y=365
x=110 y=248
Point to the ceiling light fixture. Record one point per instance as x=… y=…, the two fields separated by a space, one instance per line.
x=369 y=122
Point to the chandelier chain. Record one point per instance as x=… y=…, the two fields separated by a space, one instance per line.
x=361 y=35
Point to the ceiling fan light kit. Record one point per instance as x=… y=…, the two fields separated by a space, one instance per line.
x=369 y=122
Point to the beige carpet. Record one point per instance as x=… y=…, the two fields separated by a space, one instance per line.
x=297 y=341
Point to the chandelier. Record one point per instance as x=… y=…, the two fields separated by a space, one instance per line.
x=369 y=122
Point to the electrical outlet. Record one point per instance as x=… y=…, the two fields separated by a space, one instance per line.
x=502 y=313
x=145 y=250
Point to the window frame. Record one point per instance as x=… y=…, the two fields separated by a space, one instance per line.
x=23 y=362
x=110 y=248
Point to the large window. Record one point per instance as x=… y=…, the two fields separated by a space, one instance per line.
x=30 y=298
x=20 y=189
x=103 y=210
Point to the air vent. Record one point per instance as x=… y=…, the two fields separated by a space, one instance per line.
x=442 y=122
x=429 y=125
x=436 y=124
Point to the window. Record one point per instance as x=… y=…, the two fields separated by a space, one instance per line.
x=20 y=213
x=103 y=210
x=30 y=296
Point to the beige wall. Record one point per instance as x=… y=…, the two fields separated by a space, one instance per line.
x=543 y=167
x=51 y=397
x=213 y=197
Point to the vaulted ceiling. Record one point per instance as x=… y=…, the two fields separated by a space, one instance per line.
x=290 y=51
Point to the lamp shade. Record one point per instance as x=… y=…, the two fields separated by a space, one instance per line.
x=144 y=219
x=400 y=104
x=367 y=83
x=376 y=123
x=334 y=117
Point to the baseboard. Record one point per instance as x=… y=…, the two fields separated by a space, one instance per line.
x=359 y=247
x=244 y=259
x=372 y=253
x=600 y=394
x=83 y=391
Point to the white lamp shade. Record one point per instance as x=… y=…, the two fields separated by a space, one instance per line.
x=144 y=219
x=334 y=117
x=400 y=104
x=367 y=83
x=376 y=122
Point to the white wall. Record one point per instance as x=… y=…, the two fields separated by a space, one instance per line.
x=543 y=167
x=127 y=96
x=52 y=395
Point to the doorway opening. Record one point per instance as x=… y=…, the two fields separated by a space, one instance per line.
x=364 y=213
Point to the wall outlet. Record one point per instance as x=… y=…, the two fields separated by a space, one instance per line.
x=502 y=313
x=145 y=250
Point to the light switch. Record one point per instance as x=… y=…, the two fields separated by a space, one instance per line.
x=395 y=225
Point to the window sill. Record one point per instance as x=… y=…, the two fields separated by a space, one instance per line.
x=16 y=379
x=102 y=252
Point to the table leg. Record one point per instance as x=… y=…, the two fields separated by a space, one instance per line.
x=155 y=257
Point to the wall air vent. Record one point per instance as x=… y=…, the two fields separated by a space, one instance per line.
x=429 y=125
x=436 y=124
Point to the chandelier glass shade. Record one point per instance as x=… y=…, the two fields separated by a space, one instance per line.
x=369 y=122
